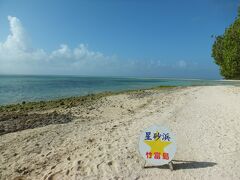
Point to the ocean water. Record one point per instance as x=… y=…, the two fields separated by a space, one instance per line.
x=18 y=88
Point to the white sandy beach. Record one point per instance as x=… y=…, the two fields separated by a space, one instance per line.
x=102 y=141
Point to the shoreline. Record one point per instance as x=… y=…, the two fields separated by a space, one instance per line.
x=79 y=98
x=27 y=115
x=97 y=137
x=36 y=88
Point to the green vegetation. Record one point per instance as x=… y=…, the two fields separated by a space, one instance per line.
x=226 y=50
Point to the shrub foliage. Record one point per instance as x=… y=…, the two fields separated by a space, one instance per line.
x=226 y=51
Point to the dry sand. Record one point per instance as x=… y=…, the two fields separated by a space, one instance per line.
x=102 y=140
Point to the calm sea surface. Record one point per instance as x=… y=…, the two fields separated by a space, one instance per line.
x=16 y=88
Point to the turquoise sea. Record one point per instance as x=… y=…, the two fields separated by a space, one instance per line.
x=18 y=88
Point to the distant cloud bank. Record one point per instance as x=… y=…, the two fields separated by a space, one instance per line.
x=17 y=56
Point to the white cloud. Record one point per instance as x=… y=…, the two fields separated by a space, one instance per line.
x=62 y=52
x=17 y=40
x=17 y=47
x=18 y=56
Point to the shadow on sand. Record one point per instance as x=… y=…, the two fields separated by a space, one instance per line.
x=180 y=164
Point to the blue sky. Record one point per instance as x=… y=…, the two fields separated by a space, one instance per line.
x=112 y=37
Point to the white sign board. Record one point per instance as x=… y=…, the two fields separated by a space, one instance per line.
x=157 y=145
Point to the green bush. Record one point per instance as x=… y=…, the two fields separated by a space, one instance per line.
x=226 y=51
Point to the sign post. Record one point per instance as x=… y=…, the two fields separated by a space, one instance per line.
x=157 y=146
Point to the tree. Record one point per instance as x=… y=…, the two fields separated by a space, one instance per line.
x=226 y=50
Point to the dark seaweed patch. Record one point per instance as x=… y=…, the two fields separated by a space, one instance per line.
x=13 y=122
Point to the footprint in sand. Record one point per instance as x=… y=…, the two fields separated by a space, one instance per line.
x=19 y=178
